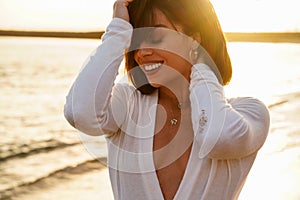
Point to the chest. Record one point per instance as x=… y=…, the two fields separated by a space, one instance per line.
x=172 y=145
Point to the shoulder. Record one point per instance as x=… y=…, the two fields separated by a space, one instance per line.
x=246 y=102
x=252 y=107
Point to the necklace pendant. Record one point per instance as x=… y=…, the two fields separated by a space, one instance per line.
x=173 y=121
x=179 y=105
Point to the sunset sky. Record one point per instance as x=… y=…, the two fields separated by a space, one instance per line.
x=94 y=15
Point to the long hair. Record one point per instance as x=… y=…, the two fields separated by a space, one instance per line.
x=195 y=17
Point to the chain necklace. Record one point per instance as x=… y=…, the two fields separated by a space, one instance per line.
x=180 y=106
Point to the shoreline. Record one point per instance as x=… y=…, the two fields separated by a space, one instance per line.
x=55 y=34
x=274 y=37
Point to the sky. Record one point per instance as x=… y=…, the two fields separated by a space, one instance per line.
x=94 y=15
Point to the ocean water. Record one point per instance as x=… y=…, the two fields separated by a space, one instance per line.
x=36 y=142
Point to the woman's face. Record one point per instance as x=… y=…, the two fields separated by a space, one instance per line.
x=164 y=55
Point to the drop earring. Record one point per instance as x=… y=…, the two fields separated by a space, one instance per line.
x=193 y=54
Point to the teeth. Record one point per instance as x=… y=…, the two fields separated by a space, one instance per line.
x=152 y=67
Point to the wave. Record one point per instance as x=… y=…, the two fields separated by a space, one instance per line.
x=42 y=160
x=277 y=104
x=285 y=98
x=12 y=150
x=54 y=177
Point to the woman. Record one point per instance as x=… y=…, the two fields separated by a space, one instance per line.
x=171 y=133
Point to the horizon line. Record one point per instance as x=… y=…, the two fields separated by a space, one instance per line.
x=293 y=37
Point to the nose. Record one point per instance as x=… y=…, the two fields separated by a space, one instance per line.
x=143 y=51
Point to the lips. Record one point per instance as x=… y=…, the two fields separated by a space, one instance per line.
x=151 y=67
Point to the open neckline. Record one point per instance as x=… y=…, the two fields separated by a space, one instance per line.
x=152 y=160
x=183 y=177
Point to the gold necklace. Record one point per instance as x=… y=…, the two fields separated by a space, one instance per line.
x=174 y=121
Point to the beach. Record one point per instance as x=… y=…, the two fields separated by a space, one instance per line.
x=43 y=157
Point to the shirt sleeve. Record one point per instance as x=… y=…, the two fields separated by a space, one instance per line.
x=225 y=129
x=88 y=105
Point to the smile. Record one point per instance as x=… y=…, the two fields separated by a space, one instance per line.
x=152 y=67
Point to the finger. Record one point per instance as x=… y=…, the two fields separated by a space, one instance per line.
x=123 y=2
x=120 y=9
x=127 y=2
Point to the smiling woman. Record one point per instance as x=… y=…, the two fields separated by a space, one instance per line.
x=171 y=134
x=31 y=67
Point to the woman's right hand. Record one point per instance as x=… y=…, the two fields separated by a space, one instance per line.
x=120 y=9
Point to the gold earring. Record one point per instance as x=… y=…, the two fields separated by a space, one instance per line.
x=193 y=54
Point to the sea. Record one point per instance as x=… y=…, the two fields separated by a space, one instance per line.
x=37 y=143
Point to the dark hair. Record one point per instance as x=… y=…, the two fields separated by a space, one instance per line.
x=194 y=16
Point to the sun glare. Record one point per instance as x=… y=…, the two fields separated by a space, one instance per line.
x=56 y=14
x=258 y=15
x=235 y=15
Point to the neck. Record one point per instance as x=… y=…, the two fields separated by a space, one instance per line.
x=175 y=94
x=176 y=91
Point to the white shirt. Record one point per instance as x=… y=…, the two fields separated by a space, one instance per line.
x=223 y=150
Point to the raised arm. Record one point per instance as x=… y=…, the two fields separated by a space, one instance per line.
x=225 y=129
x=88 y=105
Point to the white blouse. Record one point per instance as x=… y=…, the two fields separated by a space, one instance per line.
x=225 y=143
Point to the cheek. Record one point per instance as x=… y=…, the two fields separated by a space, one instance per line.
x=136 y=57
x=177 y=62
x=178 y=48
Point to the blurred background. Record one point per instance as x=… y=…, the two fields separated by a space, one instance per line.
x=42 y=157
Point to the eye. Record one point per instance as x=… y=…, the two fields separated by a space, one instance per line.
x=155 y=37
x=156 y=41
